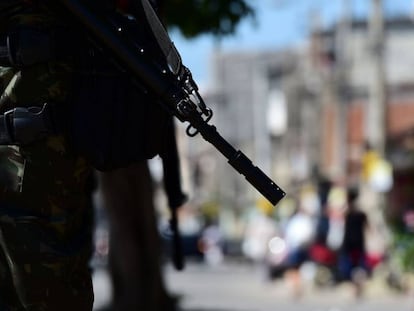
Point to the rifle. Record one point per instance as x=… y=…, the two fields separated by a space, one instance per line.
x=172 y=83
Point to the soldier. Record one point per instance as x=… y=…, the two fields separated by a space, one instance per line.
x=47 y=152
x=45 y=208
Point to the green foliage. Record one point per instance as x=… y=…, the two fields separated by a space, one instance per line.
x=404 y=249
x=196 y=17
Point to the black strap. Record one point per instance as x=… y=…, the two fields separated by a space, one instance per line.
x=177 y=253
x=175 y=194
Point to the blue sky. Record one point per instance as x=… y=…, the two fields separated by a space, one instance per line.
x=279 y=24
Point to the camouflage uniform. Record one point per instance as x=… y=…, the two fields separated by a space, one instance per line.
x=45 y=210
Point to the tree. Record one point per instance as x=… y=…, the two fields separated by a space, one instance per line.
x=197 y=17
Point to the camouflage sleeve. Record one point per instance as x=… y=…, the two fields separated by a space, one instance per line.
x=6 y=74
x=11 y=169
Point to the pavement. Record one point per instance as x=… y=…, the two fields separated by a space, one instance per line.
x=241 y=287
x=238 y=286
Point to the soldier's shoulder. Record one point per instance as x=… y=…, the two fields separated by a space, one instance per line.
x=22 y=12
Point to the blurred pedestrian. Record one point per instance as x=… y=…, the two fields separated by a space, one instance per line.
x=323 y=225
x=211 y=243
x=299 y=236
x=352 y=257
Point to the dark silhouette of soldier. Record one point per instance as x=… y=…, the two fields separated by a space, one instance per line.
x=47 y=153
x=45 y=207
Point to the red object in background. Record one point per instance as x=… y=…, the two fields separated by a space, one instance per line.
x=372 y=260
x=323 y=255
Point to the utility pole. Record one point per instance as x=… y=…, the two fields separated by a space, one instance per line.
x=375 y=114
x=262 y=147
x=342 y=86
x=376 y=125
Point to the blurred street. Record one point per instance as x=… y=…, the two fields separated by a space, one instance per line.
x=332 y=122
x=241 y=287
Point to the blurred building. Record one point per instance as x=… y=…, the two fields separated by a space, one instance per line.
x=264 y=107
x=301 y=113
x=343 y=61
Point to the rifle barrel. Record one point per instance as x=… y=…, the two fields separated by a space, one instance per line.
x=239 y=161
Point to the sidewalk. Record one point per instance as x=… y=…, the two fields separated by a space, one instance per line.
x=239 y=287
x=374 y=288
